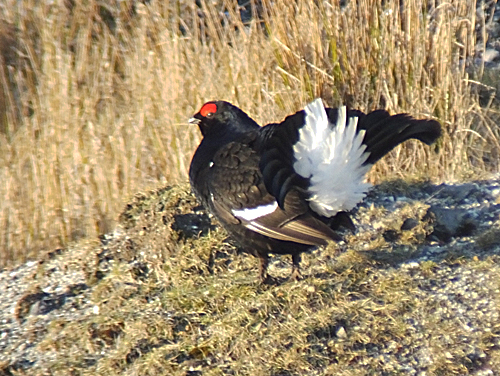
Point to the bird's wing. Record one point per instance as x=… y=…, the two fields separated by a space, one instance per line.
x=238 y=195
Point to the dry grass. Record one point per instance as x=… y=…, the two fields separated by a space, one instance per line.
x=94 y=96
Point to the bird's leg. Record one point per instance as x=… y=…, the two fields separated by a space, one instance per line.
x=264 y=261
x=295 y=276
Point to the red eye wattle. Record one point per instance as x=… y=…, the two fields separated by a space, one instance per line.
x=207 y=109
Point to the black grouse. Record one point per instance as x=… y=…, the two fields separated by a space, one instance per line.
x=286 y=188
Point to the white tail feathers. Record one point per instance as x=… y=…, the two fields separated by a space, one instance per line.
x=332 y=156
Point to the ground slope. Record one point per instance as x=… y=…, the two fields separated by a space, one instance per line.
x=415 y=291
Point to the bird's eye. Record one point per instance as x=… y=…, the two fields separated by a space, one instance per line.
x=208 y=110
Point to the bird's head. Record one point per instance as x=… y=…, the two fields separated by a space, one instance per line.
x=219 y=118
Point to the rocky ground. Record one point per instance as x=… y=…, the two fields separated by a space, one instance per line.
x=437 y=243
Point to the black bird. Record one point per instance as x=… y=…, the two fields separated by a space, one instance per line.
x=286 y=188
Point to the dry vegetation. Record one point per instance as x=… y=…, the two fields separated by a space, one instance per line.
x=94 y=95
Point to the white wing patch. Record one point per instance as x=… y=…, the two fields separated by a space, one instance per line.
x=249 y=214
x=332 y=156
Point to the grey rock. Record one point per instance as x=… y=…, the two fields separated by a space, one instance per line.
x=490 y=55
x=450 y=223
x=409 y=223
x=457 y=192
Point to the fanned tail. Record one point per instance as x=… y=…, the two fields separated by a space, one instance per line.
x=324 y=153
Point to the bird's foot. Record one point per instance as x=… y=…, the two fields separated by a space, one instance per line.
x=296 y=275
x=266 y=279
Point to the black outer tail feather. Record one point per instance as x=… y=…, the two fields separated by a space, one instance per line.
x=384 y=132
x=385 y=135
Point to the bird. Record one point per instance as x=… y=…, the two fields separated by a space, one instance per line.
x=287 y=188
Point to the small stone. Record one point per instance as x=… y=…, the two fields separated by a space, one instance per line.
x=409 y=223
x=490 y=55
x=341 y=333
